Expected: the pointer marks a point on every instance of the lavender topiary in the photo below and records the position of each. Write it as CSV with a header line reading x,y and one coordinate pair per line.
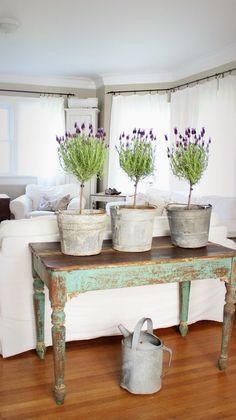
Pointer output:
x,y
189,156
82,155
137,156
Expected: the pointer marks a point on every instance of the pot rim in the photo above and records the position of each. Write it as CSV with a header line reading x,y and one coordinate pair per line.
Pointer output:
x,y
85,212
138,207
182,207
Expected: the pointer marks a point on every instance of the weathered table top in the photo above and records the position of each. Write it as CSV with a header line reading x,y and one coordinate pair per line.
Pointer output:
x,y
162,252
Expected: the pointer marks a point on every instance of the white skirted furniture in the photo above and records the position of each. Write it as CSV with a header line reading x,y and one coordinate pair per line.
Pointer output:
x,y
41,200
95,313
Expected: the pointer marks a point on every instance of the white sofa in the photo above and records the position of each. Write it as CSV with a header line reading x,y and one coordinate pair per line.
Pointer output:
x,y
41,200
91,314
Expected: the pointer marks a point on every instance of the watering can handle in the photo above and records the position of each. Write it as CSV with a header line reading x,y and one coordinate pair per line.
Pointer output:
x,y
170,359
137,330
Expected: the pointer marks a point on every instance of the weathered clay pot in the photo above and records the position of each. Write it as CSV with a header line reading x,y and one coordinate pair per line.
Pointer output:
x,y
81,234
132,228
189,228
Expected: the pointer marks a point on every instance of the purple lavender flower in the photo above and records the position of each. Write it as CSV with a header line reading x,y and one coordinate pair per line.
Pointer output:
x,y
175,131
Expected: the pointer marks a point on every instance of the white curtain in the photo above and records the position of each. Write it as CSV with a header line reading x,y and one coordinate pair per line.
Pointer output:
x,y
39,121
52,114
139,111
211,105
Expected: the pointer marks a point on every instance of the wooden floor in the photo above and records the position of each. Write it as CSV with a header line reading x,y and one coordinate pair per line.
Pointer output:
x,y
193,388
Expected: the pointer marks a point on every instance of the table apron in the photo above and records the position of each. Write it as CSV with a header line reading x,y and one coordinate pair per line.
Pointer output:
x,y
83,280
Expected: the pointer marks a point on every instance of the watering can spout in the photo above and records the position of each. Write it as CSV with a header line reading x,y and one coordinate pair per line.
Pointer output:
x,y
124,330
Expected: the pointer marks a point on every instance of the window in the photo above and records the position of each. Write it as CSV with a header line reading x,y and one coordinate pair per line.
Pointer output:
x,y
28,127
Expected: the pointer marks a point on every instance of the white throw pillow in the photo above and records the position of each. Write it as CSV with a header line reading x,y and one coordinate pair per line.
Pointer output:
x,y
74,204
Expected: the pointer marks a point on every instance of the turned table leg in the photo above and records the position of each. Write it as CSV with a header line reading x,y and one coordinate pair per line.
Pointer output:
x,y
58,299
184,302
58,339
229,311
39,307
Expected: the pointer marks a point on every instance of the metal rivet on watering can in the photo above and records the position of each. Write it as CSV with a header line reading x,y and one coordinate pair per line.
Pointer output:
x,y
142,359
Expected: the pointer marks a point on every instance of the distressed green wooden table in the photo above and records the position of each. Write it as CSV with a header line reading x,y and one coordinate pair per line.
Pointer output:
x,y
66,276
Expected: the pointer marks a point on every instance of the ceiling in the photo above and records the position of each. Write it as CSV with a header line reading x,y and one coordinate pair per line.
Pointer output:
x,y
115,41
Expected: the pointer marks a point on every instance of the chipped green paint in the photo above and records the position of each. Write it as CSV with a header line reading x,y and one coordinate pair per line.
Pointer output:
x,y
39,305
130,276
58,341
229,312
185,290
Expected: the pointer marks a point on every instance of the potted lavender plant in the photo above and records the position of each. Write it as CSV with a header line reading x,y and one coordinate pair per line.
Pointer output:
x,y
82,155
189,223
132,226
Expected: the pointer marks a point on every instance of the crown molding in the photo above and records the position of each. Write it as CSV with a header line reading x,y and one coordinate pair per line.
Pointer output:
x,y
219,58
132,79
203,64
57,81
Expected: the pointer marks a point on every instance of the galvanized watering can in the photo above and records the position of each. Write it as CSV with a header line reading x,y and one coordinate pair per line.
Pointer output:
x,y
142,359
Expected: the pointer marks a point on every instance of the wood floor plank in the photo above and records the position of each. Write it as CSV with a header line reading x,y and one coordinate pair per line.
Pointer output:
x,y
193,389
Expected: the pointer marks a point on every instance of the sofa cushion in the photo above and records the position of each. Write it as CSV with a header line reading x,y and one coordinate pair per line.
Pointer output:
x,y
23,227
39,213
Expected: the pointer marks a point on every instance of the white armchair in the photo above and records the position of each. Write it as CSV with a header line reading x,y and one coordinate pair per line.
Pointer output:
x,y
41,200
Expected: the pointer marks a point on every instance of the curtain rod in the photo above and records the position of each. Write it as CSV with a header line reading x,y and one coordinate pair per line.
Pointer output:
x,y
37,92
172,89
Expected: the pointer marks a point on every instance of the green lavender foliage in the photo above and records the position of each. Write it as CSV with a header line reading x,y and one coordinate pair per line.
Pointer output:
x,y
189,155
137,155
83,155
189,163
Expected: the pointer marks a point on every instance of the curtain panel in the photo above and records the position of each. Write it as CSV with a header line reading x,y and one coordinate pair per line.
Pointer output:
x,y
211,105
145,112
